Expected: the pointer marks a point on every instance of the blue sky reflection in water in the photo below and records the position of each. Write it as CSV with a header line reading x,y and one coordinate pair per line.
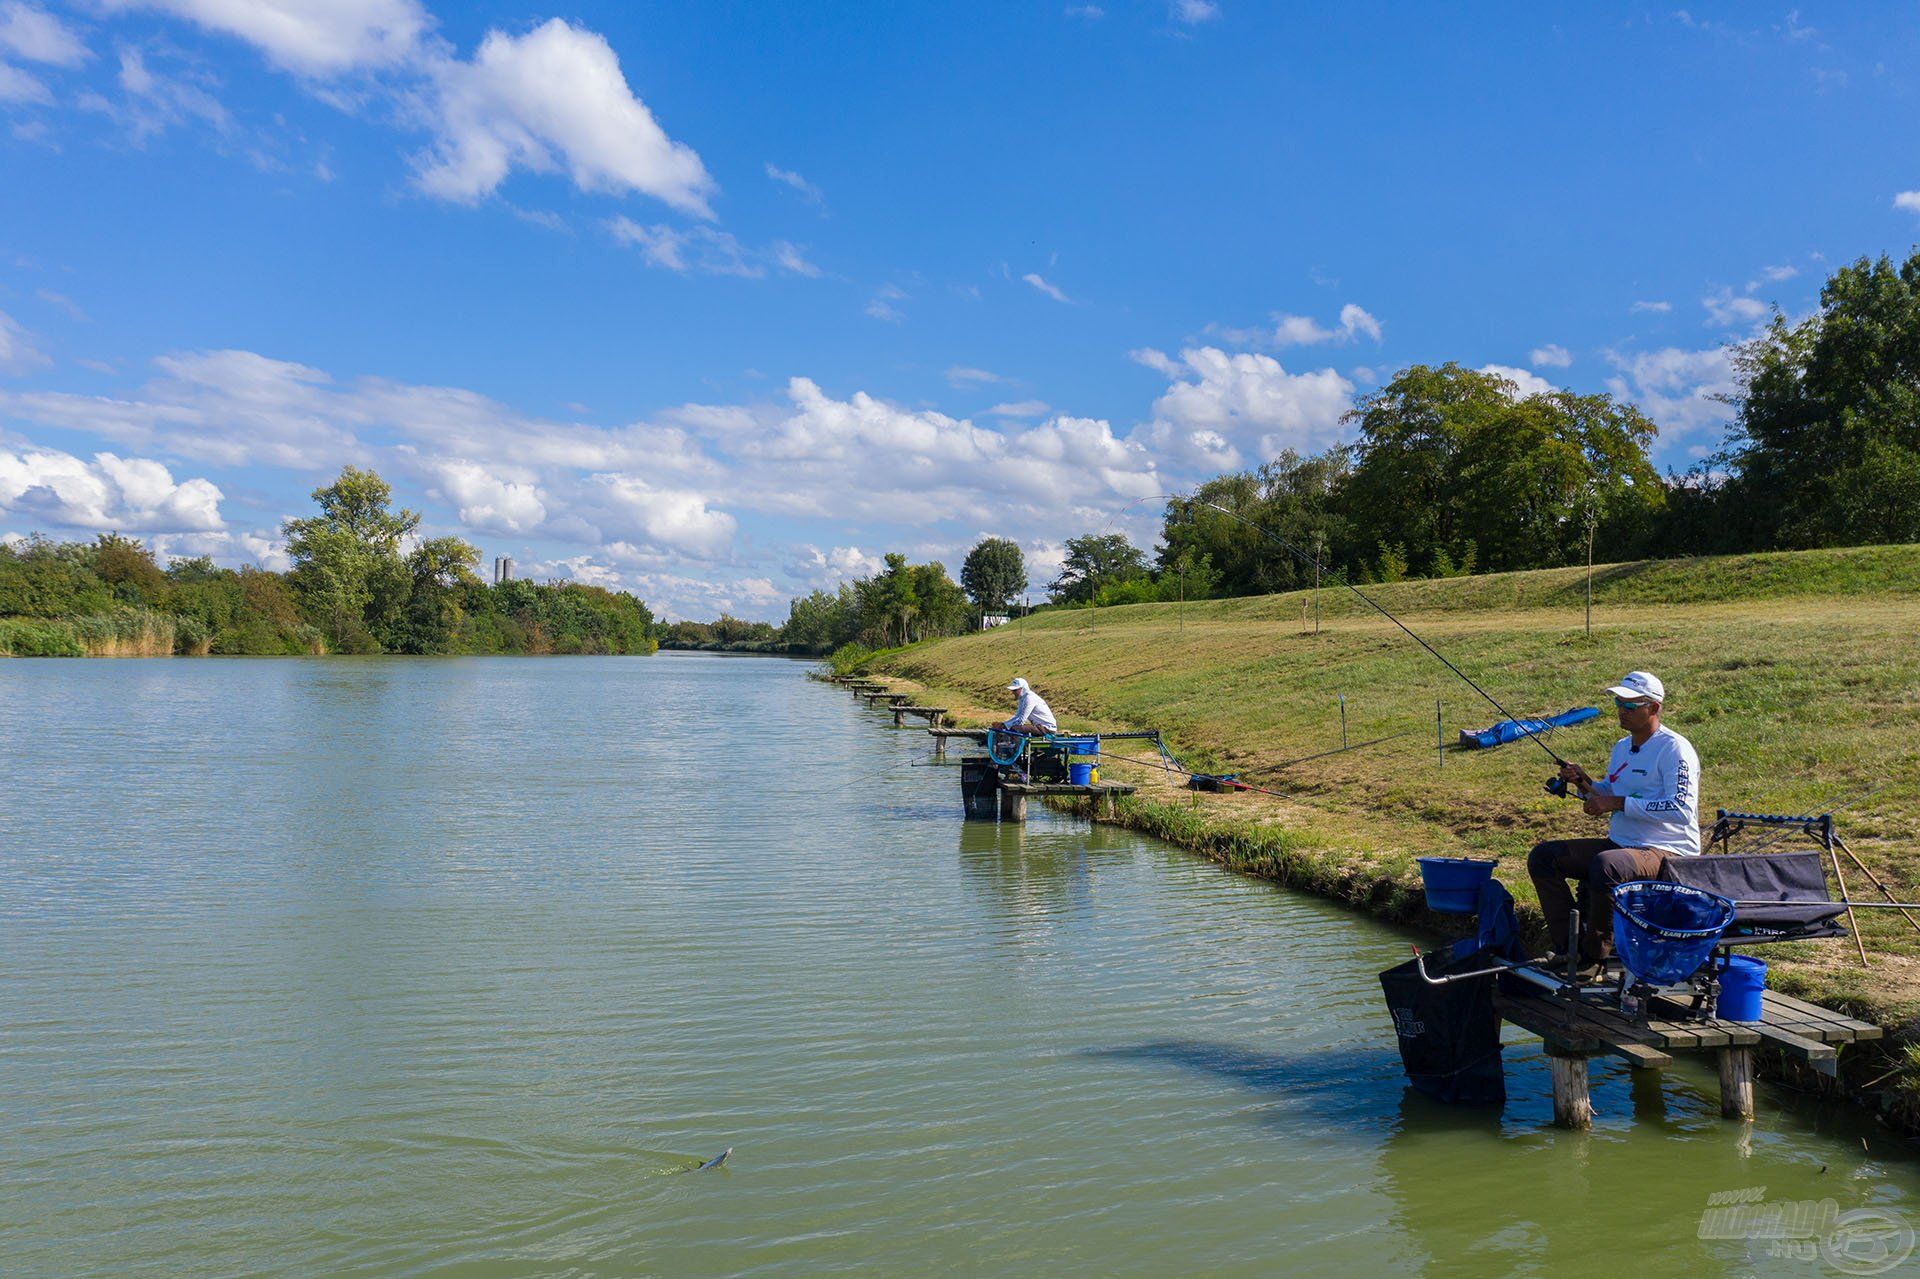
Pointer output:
x,y
406,967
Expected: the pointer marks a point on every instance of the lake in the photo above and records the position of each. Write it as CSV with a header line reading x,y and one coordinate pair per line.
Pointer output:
x,y
456,967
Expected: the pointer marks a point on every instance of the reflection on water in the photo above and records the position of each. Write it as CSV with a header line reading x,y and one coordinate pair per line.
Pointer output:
x,y
411,967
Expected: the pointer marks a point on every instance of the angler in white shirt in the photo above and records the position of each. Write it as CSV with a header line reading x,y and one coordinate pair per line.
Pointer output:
x,y
1031,715
1652,791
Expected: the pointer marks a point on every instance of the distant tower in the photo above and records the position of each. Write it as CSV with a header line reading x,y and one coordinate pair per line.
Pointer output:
x,y
502,569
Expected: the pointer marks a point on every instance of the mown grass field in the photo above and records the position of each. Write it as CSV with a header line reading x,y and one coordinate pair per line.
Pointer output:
x,y
1796,675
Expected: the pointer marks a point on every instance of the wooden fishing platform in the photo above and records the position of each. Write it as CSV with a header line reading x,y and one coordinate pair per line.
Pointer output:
x,y
1574,1031
882,695
940,736
933,714
1013,796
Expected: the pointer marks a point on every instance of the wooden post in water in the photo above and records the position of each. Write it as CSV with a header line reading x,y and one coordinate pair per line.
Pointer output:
x,y
1013,805
1736,1082
1572,1103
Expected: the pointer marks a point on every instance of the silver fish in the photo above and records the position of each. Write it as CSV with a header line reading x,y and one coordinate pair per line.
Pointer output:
x,y
716,1161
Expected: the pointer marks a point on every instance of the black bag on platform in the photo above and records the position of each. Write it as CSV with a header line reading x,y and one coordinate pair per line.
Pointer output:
x,y
1449,1035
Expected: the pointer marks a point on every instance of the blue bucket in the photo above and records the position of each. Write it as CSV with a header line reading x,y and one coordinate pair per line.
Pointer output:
x,y
1742,983
1080,774
1664,931
1453,883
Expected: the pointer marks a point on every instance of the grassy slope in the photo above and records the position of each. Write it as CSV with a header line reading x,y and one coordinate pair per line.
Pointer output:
x,y
1797,677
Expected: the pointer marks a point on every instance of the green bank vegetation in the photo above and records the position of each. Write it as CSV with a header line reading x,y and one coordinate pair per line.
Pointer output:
x,y
351,589
1795,674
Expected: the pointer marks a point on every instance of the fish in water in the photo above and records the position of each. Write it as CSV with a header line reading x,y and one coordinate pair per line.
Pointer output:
x,y
716,1161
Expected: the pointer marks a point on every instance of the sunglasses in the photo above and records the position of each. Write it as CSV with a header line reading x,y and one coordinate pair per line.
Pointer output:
x,y
1626,705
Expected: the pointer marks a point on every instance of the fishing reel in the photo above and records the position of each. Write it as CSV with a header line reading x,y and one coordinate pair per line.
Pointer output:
x,y
1558,787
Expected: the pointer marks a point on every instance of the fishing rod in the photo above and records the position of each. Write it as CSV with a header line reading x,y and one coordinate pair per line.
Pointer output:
x,y
1368,600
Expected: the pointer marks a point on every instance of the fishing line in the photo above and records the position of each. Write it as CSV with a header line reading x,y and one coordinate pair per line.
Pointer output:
x,y
1338,750
1158,763
1315,562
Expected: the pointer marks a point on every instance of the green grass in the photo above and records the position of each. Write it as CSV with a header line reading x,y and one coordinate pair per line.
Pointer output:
x,y
1796,675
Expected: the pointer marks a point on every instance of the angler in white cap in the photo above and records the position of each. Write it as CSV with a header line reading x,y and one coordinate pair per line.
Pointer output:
x,y
1031,715
1652,795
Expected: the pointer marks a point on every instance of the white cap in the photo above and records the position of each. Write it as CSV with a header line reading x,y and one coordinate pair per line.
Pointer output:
x,y
1018,686
1640,684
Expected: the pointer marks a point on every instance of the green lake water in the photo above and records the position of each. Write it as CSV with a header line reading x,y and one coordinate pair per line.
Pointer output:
x,y
422,967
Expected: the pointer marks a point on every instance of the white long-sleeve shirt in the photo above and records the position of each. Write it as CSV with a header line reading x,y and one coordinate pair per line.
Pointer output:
x,y
1033,709
1661,783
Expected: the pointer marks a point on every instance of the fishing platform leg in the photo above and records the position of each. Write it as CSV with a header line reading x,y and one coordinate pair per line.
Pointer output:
x,y
1736,1082
1013,805
1572,1102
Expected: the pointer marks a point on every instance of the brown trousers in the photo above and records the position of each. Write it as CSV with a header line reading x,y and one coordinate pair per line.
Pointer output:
x,y
1598,866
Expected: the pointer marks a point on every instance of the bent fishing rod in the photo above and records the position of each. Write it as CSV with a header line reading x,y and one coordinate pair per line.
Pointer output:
x,y
1312,560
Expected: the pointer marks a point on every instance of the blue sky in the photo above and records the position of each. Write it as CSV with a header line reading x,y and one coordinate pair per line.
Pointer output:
x,y
719,303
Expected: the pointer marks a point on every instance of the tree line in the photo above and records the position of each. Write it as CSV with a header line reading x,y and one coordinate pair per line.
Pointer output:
x,y
352,588
1453,471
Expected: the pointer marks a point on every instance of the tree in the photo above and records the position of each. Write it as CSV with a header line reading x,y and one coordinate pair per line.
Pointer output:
x,y
1293,497
438,568
1453,464
1094,561
994,572
1827,438
126,564
346,560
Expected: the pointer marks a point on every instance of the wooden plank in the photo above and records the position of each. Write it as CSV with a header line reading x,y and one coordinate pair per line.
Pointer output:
x,y
1808,1050
1067,788
1792,1006
1561,1022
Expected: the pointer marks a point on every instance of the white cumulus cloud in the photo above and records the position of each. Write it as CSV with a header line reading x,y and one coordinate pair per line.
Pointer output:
x,y
1727,309
550,99
48,488
310,37
1222,403
1525,383
1682,391
1908,200
1304,330
31,33
1550,356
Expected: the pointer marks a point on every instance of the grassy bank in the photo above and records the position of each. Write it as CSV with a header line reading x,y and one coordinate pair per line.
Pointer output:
x,y
1796,676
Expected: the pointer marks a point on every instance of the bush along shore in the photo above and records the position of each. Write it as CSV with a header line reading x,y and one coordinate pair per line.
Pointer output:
x,y
351,589
1794,675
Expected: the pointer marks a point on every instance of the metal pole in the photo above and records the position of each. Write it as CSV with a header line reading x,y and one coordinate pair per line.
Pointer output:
x,y
1439,735
1589,574
1888,892
1343,721
1826,838
1316,581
